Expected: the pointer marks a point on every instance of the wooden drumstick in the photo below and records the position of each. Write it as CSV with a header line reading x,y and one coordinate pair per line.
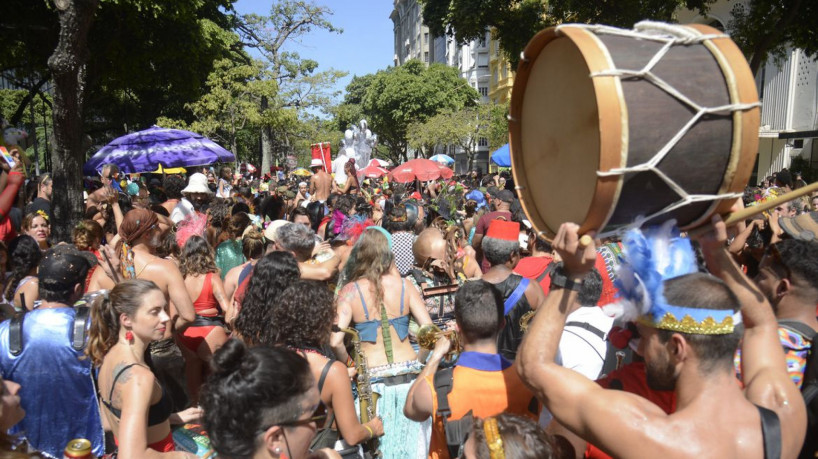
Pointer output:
x,y
747,212
585,241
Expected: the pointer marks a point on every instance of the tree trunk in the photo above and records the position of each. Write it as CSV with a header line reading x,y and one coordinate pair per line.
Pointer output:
x,y
266,141
67,65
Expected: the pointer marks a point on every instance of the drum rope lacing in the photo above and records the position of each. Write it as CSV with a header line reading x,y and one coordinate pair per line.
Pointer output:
x,y
670,35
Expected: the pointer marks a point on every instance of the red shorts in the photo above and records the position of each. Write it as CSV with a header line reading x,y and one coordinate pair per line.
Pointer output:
x,y
193,337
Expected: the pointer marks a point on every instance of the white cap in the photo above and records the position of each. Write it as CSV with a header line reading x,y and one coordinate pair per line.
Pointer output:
x,y
316,163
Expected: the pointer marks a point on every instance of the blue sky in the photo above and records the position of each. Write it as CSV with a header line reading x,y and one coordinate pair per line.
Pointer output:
x,y
366,45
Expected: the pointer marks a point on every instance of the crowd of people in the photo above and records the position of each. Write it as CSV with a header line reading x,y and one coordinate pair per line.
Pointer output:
x,y
298,318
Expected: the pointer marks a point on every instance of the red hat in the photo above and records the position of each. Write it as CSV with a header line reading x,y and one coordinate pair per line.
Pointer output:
x,y
501,229
416,195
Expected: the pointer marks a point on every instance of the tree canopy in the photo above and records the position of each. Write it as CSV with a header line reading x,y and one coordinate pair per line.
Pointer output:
x,y
759,26
463,129
399,96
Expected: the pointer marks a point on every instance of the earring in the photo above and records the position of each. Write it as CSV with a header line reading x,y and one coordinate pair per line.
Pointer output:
x,y
129,336
277,450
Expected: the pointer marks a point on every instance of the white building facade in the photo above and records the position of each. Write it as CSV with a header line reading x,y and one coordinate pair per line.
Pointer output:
x,y
788,91
412,41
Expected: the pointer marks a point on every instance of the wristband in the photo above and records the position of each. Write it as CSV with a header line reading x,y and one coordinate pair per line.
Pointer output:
x,y
371,433
560,279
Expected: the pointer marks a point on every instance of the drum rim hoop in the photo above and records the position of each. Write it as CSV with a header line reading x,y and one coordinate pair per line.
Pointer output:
x,y
742,89
613,142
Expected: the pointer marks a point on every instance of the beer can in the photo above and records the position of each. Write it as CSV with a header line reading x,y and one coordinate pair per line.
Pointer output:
x,y
78,448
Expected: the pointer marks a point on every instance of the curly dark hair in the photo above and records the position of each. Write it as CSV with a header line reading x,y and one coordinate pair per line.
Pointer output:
x,y
303,316
251,389
271,276
173,185
218,218
197,257
24,256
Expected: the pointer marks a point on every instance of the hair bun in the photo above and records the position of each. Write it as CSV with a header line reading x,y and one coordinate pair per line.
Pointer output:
x,y
229,358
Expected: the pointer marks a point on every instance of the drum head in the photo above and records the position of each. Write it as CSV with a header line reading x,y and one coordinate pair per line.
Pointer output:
x,y
557,145
560,138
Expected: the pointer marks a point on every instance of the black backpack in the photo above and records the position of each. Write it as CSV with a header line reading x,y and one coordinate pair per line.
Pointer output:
x,y
809,388
456,431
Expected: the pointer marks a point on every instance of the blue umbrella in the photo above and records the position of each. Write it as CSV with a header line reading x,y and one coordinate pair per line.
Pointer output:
x,y
440,158
502,156
145,151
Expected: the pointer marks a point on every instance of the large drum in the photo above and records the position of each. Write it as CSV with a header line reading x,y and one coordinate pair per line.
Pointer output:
x,y
610,127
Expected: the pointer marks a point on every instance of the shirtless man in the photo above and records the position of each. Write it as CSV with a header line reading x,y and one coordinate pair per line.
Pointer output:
x,y
714,416
140,230
320,183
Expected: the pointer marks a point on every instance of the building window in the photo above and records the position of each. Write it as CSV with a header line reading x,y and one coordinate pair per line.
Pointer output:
x,y
484,91
426,38
482,142
426,56
483,60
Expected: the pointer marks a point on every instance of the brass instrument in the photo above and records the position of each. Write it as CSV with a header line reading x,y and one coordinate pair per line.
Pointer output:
x,y
367,400
428,335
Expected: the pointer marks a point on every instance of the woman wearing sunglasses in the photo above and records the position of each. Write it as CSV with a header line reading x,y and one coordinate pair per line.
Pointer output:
x,y
260,402
302,320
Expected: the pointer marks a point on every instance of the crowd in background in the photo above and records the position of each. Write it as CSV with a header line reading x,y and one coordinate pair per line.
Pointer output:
x,y
268,308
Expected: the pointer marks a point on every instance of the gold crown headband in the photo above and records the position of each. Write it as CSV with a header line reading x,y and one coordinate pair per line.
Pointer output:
x,y
493,439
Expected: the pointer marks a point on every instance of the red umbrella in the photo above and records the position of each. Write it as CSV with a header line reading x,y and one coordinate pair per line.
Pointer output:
x,y
372,171
445,172
421,169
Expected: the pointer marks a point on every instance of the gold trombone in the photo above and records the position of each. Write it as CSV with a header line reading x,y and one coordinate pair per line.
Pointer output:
x,y
428,335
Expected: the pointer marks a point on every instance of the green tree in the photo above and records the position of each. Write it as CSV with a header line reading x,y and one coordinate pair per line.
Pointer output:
x,y
760,27
115,66
397,97
300,85
231,105
462,128
766,27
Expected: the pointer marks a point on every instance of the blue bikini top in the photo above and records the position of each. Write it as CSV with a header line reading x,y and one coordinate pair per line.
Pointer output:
x,y
369,329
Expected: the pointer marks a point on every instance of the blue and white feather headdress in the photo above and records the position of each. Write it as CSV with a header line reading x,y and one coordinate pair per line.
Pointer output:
x,y
651,256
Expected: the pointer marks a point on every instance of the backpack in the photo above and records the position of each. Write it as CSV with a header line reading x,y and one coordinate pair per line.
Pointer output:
x,y
457,431
79,331
809,387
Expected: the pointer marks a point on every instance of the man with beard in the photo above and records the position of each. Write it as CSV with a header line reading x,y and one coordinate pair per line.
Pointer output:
x,y
788,277
140,234
691,353
196,197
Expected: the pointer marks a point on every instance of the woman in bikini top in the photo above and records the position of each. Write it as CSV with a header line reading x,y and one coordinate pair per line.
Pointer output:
x,y
375,288
136,408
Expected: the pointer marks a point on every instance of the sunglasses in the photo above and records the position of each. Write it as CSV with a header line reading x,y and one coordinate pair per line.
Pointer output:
x,y
319,417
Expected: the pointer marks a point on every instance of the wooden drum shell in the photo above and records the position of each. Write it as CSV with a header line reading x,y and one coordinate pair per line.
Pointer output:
x,y
565,125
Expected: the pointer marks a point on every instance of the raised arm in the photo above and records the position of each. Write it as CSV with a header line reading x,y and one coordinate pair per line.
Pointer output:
x,y
603,417
763,366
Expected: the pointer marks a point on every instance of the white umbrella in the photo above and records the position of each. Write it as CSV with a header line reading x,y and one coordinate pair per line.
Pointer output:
x,y
440,158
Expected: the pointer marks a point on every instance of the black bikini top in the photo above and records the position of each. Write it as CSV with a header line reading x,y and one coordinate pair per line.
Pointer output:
x,y
158,412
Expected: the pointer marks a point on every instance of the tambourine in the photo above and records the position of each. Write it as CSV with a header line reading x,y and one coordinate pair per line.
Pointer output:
x,y
611,128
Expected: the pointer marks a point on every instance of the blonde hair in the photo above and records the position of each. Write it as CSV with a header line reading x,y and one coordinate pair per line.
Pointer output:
x,y
371,259
87,235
